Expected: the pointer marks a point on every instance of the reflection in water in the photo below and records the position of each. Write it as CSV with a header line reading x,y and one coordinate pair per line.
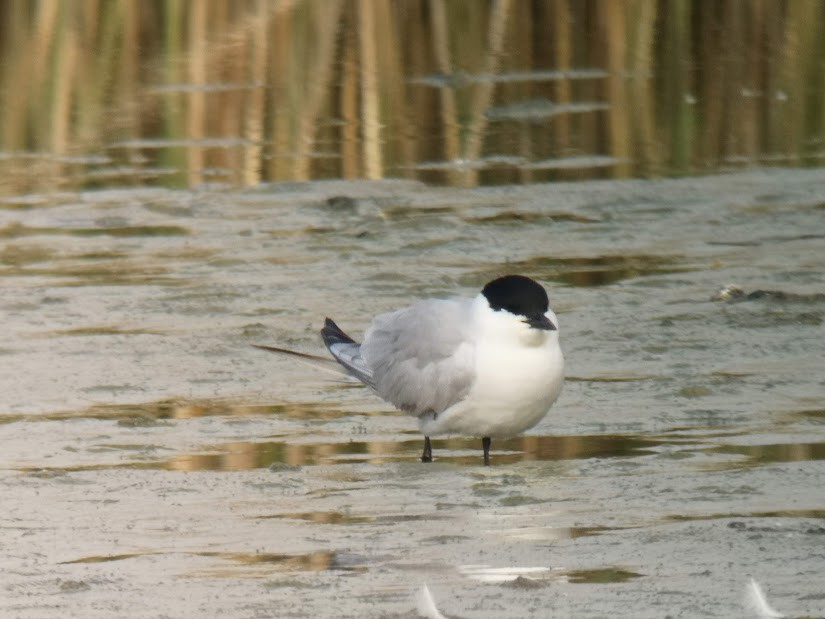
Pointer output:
x,y
313,562
538,110
601,270
486,573
601,575
551,534
308,449
150,412
525,575
323,517
783,513
183,93
816,416
517,218
16,230
106,558
765,454
249,455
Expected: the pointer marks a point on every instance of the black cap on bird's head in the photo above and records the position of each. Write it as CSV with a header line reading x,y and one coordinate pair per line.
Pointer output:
x,y
521,296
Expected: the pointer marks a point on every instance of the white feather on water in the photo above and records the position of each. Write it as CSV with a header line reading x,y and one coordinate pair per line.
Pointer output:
x,y
426,604
756,601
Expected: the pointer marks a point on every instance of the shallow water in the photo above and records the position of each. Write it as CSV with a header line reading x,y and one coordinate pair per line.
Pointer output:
x,y
155,464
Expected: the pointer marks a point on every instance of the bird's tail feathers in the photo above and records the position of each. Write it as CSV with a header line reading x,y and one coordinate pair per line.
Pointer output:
x,y
321,363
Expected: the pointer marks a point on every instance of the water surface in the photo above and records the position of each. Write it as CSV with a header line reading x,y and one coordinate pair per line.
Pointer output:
x,y
154,463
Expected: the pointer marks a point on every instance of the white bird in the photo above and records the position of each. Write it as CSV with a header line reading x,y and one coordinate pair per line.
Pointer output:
x,y
489,366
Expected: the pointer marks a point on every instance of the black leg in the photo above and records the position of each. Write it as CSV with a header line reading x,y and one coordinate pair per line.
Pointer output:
x,y
485,444
427,456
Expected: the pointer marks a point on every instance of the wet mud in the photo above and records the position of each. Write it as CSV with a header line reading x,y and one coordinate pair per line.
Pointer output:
x,y
155,464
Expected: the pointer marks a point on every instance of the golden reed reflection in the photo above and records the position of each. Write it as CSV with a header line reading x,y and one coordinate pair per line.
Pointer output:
x,y
148,412
315,561
101,92
251,455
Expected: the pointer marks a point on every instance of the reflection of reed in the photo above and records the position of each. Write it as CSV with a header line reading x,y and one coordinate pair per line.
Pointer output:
x,y
783,452
150,412
328,88
314,561
248,455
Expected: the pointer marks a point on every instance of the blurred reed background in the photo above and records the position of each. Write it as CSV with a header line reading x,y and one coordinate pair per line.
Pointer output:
x,y
118,92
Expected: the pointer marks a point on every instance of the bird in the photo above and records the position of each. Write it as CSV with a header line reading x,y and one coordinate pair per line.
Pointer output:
x,y
488,366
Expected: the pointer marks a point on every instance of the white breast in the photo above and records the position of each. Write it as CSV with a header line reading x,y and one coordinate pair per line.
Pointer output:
x,y
519,374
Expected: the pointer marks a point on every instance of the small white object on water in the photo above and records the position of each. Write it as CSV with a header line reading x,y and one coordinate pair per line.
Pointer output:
x,y
426,604
756,601
728,293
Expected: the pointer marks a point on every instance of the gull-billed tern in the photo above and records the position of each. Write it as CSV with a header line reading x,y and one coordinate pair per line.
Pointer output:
x,y
488,366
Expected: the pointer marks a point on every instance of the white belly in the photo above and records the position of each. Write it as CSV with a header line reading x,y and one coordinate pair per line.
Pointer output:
x,y
514,389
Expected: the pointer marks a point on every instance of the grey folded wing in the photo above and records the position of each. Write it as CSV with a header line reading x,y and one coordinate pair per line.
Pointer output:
x,y
421,358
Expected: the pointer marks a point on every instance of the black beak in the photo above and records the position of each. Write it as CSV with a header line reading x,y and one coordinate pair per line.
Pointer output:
x,y
540,322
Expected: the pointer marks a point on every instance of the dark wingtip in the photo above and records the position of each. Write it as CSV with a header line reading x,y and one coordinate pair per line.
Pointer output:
x,y
332,334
